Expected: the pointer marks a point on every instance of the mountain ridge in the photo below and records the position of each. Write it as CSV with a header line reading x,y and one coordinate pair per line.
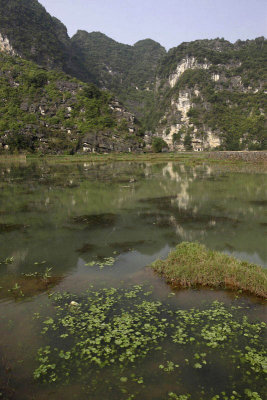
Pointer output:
x,y
199,95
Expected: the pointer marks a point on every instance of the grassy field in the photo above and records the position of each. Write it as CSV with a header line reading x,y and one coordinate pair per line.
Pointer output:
x,y
184,157
192,264
94,157
257,157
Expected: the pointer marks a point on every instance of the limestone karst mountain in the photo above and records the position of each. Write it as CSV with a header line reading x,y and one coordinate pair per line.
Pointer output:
x,y
200,95
212,93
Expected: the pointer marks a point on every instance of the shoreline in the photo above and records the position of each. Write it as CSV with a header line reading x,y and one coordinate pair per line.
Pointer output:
x,y
220,157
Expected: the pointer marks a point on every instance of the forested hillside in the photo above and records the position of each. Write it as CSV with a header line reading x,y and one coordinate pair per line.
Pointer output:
x,y
49,111
128,71
37,36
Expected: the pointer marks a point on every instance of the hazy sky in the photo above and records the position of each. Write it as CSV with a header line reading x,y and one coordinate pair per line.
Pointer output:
x,y
169,22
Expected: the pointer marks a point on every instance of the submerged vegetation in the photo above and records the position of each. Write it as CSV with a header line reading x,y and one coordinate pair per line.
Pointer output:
x,y
10,227
97,220
124,341
192,264
27,284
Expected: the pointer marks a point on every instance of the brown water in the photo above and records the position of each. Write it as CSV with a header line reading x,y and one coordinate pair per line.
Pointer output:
x,y
125,214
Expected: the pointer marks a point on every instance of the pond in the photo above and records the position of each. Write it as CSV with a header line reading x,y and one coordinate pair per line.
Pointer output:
x,y
88,231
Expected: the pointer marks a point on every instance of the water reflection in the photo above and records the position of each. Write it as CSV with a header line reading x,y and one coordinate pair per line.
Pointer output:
x,y
153,207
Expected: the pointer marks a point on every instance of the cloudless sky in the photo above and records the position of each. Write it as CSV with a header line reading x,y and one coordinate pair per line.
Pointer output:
x,y
169,22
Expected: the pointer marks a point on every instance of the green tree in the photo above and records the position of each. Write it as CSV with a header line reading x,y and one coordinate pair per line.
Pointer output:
x,y
37,79
158,144
188,142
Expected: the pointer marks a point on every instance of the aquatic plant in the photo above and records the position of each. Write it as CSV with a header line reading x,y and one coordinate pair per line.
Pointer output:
x,y
105,262
16,291
47,274
114,333
192,264
124,247
8,260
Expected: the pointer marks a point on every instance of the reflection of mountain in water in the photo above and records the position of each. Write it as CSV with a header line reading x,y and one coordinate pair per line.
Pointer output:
x,y
153,205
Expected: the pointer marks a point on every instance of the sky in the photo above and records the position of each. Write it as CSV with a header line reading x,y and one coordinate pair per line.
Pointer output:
x,y
169,22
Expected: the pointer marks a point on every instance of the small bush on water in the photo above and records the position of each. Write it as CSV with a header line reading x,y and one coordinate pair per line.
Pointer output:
x,y
192,264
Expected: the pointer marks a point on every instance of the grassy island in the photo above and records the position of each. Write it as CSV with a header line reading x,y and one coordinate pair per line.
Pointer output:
x,y
192,264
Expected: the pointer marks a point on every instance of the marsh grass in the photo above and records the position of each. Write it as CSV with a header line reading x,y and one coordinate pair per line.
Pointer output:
x,y
192,264
187,158
184,157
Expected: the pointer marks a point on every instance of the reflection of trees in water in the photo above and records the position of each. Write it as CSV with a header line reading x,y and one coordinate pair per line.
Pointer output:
x,y
220,219
204,203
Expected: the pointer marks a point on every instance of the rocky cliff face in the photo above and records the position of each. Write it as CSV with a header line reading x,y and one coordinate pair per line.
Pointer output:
x,y
5,46
184,65
213,96
176,120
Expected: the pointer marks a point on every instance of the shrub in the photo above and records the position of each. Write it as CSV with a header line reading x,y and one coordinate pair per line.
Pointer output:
x,y
158,144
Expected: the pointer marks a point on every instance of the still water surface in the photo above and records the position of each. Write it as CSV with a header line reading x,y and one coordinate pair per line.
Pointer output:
x,y
126,214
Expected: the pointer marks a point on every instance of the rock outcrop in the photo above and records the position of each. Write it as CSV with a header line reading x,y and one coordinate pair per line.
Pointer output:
x,y
5,46
184,65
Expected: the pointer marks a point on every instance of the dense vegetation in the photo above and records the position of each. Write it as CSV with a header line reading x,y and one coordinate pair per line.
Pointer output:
x,y
242,126
39,37
50,106
247,57
33,32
